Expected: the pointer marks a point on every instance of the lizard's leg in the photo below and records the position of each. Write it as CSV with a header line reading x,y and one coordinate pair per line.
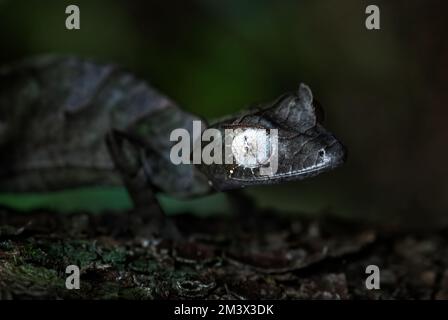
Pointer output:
x,y
147,217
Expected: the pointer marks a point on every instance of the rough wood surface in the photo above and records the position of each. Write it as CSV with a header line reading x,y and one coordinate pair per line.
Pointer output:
x,y
265,256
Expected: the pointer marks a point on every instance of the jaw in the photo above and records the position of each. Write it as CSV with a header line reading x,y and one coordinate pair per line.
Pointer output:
x,y
294,171
300,156
284,176
279,177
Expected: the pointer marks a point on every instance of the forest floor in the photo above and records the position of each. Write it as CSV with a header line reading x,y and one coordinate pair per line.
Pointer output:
x,y
266,256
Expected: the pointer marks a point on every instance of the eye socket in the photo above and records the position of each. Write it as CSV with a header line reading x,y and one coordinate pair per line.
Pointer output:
x,y
251,147
321,153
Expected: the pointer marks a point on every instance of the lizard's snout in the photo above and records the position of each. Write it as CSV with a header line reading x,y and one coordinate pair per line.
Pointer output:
x,y
337,153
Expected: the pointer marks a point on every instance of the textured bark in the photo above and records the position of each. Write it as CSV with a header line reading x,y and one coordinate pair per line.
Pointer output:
x,y
266,256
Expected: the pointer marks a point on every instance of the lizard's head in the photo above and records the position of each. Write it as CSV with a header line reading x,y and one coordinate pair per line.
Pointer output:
x,y
303,147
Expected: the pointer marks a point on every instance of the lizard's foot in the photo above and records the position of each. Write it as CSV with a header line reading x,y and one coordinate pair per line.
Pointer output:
x,y
147,220
161,227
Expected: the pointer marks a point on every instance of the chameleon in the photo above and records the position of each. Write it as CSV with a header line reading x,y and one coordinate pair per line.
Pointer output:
x,y
67,122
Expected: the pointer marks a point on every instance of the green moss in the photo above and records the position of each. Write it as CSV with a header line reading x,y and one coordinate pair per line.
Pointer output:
x,y
32,254
115,257
144,265
27,280
79,252
36,275
112,290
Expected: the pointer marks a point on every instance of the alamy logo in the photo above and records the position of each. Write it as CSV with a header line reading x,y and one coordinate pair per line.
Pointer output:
x,y
72,281
373,18
373,280
245,146
72,22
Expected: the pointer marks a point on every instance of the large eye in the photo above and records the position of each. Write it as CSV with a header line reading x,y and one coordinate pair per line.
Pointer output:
x,y
251,147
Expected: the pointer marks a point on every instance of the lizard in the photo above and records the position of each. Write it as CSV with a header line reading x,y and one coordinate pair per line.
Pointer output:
x,y
67,122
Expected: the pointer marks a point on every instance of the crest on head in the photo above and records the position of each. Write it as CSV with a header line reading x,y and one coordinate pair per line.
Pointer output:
x,y
296,110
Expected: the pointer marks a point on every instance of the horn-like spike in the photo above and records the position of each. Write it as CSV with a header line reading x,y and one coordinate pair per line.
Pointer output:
x,y
305,93
296,110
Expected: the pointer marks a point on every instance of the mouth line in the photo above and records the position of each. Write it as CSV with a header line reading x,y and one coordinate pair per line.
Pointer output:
x,y
313,169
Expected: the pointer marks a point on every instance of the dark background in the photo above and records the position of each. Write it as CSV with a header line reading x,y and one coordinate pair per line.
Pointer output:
x,y
384,91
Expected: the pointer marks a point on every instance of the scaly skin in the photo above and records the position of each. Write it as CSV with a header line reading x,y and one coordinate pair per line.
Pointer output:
x,y
55,113
305,147
67,122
